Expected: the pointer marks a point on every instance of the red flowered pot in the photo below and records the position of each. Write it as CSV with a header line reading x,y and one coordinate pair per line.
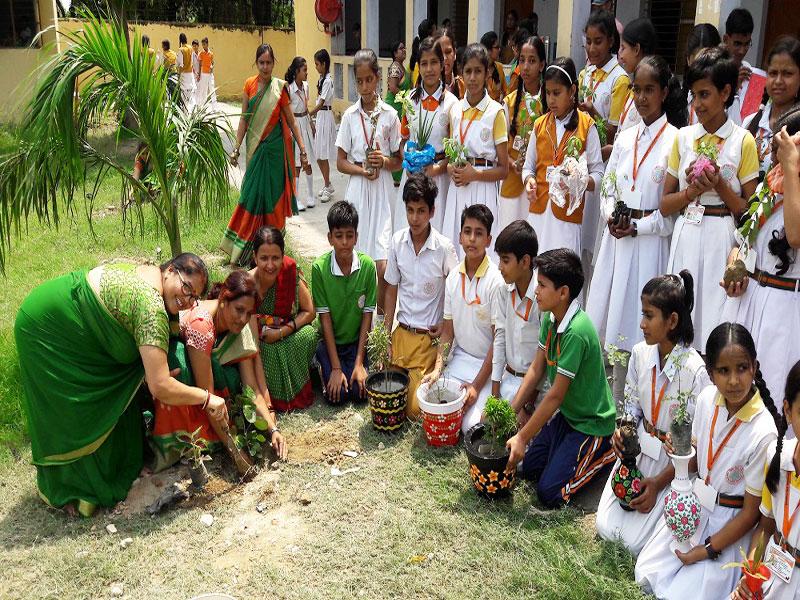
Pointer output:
x,y
442,421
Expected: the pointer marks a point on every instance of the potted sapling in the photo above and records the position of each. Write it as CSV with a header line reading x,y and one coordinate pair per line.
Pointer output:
x,y
527,116
485,444
194,451
755,571
442,405
568,181
418,153
387,388
373,120
455,151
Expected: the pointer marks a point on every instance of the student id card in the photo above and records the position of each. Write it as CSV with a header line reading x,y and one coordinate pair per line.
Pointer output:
x,y
517,143
779,561
694,214
706,494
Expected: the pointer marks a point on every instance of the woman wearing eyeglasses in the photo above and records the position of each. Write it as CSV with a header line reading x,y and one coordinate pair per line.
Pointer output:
x,y
86,341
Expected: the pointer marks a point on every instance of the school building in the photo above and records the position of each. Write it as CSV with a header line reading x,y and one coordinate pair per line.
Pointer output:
x,y
378,24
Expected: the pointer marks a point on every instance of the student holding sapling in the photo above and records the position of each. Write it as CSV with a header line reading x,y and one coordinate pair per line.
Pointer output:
x,y
369,145
478,150
781,497
733,428
663,371
763,295
571,429
712,168
635,241
470,295
555,156
425,124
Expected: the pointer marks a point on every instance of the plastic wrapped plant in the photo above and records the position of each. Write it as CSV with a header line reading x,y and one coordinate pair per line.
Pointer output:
x,y
455,151
754,570
418,153
707,154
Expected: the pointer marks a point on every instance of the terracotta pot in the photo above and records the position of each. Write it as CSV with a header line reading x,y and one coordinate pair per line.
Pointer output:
x,y
487,472
441,421
387,392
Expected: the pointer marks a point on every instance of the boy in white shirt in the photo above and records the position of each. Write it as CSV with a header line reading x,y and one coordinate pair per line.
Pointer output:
x,y
420,259
469,298
516,318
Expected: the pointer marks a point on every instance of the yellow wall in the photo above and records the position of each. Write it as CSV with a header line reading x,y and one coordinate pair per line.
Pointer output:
x,y
16,86
310,39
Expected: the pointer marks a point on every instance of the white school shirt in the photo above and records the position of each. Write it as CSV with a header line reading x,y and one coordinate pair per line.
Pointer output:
x,y
195,63
630,115
594,158
419,278
299,97
355,131
472,311
650,175
772,504
440,126
684,371
763,136
515,339
735,110
604,91
479,136
739,466
325,96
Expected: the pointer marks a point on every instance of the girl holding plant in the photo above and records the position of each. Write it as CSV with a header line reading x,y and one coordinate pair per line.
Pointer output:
x,y
778,524
522,106
637,41
712,168
766,299
562,132
478,153
664,372
369,150
734,427
635,244
424,126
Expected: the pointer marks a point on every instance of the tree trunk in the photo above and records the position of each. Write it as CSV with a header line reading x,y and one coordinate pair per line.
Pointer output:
x,y
174,229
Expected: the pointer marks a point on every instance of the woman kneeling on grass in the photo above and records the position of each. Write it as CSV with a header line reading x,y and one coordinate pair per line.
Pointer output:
x,y
216,349
85,341
287,339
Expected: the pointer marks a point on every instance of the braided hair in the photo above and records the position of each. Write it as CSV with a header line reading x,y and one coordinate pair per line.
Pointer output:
x,y
538,45
322,57
791,395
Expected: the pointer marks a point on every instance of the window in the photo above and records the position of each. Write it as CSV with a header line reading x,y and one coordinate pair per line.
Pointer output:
x,y
18,23
392,27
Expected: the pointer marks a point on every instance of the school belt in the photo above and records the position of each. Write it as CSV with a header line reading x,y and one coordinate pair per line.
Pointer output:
x,y
324,108
765,279
718,210
413,329
790,549
515,373
302,114
730,501
648,427
637,213
480,162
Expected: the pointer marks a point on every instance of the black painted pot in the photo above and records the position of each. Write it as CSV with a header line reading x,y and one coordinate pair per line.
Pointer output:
x,y
387,392
487,471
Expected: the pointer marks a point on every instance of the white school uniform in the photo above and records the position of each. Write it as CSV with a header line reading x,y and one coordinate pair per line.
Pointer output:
x,y
772,316
763,136
603,96
773,506
187,82
420,277
735,110
684,371
738,469
478,137
624,266
630,116
325,138
440,129
552,232
299,97
516,336
372,199
469,304
703,249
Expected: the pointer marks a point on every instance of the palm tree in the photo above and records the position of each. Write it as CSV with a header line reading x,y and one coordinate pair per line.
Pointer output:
x,y
53,153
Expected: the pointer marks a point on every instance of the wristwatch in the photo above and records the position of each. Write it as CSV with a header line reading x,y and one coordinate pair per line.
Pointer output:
x,y
712,554
271,431
635,231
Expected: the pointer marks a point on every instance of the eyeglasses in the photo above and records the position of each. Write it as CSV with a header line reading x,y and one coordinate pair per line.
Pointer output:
x,y
187,288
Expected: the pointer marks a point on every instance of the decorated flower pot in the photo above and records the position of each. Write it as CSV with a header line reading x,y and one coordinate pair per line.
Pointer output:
x,y
626,483
753,583
681,506
387,392
442,406
681,433
487,465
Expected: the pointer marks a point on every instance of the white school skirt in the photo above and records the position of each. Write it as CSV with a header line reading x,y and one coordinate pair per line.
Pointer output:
x,y
399,220
372,201
703,250
510,210
325,139
304,125
458,198
552,232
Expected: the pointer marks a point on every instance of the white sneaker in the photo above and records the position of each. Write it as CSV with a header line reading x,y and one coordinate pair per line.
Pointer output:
x,y
310,203
327,194
300,206
321,193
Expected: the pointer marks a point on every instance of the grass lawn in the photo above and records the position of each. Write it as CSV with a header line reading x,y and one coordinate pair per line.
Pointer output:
x,y
406,523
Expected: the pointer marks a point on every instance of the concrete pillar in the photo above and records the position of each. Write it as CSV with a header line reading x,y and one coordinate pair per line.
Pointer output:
x,y
571,19
481,18
48,17
370,23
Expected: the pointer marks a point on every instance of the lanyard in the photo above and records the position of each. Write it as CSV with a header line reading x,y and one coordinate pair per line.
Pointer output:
x,y
787,520
712,456
558,152
597,81
655,407
528,306
477,299
364,129
638,165
463,131
628,104
552,363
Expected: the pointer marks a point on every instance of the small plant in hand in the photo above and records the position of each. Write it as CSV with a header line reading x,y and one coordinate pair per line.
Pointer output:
x,y
707,154
602,129
418,154
754,570
455,151
249,434
527,116
500,422
373,121
194,452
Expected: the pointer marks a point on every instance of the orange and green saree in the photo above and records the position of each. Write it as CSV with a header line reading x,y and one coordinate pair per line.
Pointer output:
x,y
267,196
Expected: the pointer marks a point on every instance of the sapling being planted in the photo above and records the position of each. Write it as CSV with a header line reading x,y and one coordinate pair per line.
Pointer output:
x,y
500,422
